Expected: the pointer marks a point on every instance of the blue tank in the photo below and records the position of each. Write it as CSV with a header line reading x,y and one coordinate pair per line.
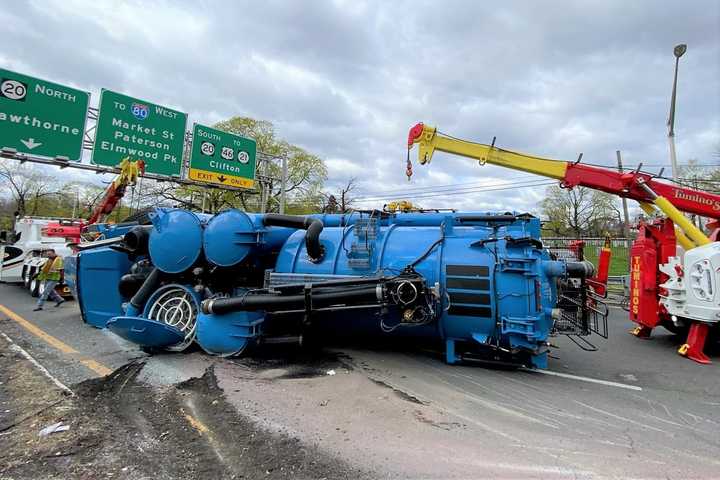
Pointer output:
x,y
480,282
495,283
176,238
179,238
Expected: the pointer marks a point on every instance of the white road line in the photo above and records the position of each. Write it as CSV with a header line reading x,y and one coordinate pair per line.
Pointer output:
x,y
17,348
622,419
584,379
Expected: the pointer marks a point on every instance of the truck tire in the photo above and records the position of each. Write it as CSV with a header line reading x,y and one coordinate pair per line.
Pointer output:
x,y
26,276
35,286
32,272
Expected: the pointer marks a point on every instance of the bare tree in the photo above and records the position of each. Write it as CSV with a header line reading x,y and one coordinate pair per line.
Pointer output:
x,y
27,185
341,201
579,211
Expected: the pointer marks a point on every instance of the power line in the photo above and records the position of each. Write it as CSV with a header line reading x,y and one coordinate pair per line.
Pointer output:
x,y
453,189
478,183
490,188
405,192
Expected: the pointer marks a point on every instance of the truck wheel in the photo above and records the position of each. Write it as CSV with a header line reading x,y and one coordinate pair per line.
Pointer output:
x,y
35,286
26,276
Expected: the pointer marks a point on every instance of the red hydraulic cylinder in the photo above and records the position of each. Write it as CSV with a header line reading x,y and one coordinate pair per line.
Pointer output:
x,y
693,349
600,280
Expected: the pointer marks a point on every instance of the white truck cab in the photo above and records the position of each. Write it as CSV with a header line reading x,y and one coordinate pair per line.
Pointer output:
x,y
22,253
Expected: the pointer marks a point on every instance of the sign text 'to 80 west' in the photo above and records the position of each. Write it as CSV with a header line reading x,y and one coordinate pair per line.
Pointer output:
x,y
128,127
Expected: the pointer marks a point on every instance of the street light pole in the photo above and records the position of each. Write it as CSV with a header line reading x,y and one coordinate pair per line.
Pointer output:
x,y
679,51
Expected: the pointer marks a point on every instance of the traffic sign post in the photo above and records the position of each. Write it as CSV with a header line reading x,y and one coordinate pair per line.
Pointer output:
x,y
42,118
128,127
221,157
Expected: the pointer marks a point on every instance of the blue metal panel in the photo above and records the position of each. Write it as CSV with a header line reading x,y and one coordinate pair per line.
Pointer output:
x,y
70,275
147,333
97,276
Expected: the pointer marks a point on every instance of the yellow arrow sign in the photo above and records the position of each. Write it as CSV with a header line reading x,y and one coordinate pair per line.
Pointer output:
x,y
220,178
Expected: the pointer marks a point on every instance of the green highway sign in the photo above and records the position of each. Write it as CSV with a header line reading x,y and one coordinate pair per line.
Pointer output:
x,y
42,118
222,158
128,127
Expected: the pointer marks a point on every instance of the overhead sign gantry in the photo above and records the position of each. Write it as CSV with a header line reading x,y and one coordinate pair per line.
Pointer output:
x,y
45,122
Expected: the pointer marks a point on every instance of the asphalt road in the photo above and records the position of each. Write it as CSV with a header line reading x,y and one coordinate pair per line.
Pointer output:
x,y
633,409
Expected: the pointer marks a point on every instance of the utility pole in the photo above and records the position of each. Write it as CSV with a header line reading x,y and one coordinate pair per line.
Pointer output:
x,y
283,183
678,52
76,204
626,216
266,187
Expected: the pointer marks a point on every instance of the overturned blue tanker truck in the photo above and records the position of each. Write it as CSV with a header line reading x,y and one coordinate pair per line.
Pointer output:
x,y
480,284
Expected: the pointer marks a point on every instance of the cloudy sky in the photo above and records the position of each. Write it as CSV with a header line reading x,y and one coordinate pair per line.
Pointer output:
x,y
346,79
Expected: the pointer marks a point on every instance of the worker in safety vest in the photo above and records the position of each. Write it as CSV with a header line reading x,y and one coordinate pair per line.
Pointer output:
x,y
50,273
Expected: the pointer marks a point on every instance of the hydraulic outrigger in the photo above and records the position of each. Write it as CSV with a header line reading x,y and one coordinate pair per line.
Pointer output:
x,y
650,302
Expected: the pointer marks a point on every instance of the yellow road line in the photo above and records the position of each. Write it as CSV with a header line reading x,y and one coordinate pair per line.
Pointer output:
x,y
96,367
46,337
93,365
195,423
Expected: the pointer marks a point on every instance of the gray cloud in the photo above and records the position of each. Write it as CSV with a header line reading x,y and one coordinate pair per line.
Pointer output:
x,y
347,79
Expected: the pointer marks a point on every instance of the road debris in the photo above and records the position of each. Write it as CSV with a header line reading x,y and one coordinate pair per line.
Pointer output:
x,y
54,428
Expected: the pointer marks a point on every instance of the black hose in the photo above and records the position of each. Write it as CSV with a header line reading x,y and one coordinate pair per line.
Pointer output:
x,y
136,240
275,303
487,218
130,283
582,269
350,282
151,283
512,241
312,226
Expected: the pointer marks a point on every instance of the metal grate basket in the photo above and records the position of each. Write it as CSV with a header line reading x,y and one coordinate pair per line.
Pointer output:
x,y
582,311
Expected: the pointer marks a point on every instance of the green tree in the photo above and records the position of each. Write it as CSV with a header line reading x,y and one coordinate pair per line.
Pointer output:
x,y
306,176
579,212
306,172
